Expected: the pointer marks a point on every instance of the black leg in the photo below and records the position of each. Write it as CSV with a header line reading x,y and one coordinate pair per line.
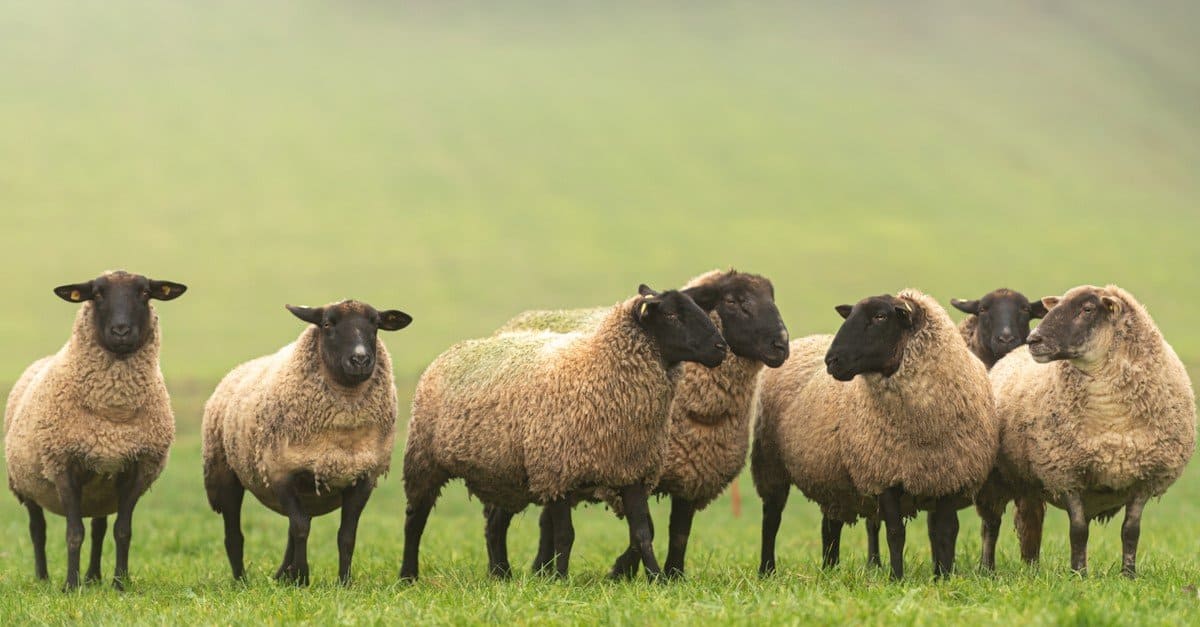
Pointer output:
x,y
641,529
70,492
1131,530
564,535
496,534
682,513
415,517
354,500
99,528
873,542
889,508
627,564
231,512
545,553
37,532
989,532
130,486
1079,533
771,517
1030,517
299,524
944,536
831,541
286,570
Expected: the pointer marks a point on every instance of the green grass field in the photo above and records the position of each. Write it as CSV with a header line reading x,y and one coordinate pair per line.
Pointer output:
x,y
464,162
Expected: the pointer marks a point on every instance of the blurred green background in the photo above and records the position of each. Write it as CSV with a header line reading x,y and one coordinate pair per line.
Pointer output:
x,y
464,161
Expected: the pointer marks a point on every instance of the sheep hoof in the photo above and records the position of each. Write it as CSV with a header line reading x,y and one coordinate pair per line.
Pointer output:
x,y
92,577
118,584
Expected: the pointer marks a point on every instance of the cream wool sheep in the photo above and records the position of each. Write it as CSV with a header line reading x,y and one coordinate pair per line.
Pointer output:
x,y
88,429
1098,414
307,430
537,417
909,423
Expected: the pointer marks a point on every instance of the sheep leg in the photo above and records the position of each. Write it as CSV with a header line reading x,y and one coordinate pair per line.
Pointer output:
x,y
889,507
130,485
1079,532
99,528
989,532
286,572
831,541
545,554
1131,530
641,530
772,508
564,535
37,532
680,530
943,535
354,500
230,503
70,493
1030,517
415,517
496,534
628,563
873,542
299,524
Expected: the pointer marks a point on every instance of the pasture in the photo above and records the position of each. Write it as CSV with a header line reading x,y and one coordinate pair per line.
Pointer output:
x,y
464,163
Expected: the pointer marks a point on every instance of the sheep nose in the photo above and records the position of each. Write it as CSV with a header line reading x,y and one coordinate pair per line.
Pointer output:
x,y
359,360
722,345
120,330
1007,338
831,360
779,344
1033,338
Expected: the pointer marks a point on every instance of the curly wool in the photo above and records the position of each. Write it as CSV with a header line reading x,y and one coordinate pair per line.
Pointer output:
x,y
533,416
1127,427
930,427
283,414
85,406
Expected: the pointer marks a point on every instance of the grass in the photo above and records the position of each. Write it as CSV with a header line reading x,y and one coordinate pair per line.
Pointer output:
x,y
464,163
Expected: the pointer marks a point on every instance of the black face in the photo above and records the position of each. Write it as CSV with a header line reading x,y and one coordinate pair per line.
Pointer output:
x,y
121,307
1004,317
680,327
1074,327
750,321
348,331
873,337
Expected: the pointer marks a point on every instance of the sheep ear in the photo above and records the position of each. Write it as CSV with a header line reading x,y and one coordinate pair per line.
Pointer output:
x,y
645,290
76,293
965,306
706,296
844,310
394,320
166,290
1113,304
1049,302
311,315
1037,309
646,308
905,313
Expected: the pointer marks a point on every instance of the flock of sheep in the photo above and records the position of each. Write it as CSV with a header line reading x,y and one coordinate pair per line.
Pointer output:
x,y
662,394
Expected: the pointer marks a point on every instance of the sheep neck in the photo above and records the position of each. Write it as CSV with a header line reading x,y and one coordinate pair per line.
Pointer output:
x,y
112,387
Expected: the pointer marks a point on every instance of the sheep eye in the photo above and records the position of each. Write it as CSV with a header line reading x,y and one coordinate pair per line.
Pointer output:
x,y
983,310
327,325
881,317
1089,308
145,293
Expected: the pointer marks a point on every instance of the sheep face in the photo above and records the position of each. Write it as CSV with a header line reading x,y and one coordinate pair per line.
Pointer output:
x,y
679,327
121,307
872,338
1078,327
1004,317
750,321
348,336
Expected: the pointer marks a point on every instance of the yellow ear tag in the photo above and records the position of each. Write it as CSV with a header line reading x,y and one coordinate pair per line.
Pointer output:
x,y
642,311
74,294
166,290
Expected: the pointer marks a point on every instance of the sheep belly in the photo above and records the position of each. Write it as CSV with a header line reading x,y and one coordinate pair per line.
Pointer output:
x,y
325,465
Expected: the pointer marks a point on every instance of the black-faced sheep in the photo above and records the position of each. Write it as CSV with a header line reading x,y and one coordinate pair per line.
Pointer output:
x,y
711,414
540,417
1097,415
905,422
307,430
87,430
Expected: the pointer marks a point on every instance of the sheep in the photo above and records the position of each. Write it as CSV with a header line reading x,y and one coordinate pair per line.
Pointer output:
x,y
538,417
1097,413
307,430
88,429
710,416
916,430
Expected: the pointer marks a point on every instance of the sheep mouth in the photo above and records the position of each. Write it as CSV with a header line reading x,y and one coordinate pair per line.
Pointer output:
x,y
841,374
1043,353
